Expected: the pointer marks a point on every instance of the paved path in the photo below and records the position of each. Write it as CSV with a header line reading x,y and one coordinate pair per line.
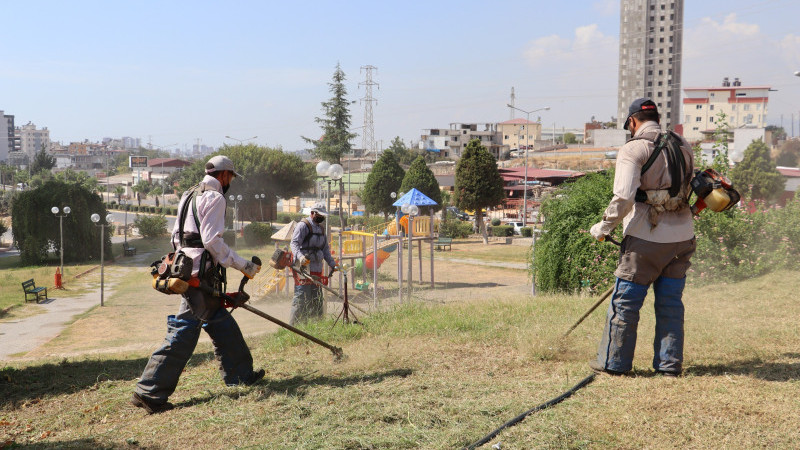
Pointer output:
x,y
24,335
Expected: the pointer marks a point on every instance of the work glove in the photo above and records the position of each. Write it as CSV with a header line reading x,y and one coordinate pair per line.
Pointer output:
x,y
303,261
597,232
251,269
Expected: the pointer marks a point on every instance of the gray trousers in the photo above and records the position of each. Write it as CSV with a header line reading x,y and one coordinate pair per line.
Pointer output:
x,y
306,304
160,376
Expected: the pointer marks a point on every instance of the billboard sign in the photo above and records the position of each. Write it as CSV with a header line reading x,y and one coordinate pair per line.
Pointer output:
x,y
135,162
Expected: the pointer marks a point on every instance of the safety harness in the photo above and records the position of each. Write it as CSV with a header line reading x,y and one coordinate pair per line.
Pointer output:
x,y
677,196
302,281
217,276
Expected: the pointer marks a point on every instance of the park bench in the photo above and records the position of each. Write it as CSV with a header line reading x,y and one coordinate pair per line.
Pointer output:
x,y
31,290
128,249
443,242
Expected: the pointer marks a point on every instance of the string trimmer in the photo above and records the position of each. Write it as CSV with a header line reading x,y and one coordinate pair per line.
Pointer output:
x,y
230,301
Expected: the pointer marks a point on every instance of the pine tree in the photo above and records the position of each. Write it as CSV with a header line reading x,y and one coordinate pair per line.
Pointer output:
x,y
478,182
756,176
386,177
419,176
335,140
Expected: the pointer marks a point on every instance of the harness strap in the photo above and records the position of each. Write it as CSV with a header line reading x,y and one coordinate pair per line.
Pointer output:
x,y
676,163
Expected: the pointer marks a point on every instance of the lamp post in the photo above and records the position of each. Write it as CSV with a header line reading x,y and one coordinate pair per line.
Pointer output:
x,y
96,219
336,172
411,210
124,204
66,210
527,145
235,199
164,180
260,207
322,171
240,141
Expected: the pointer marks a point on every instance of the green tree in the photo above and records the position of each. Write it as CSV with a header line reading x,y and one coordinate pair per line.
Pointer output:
x,y
570,138
264,170
385,177
566,256
478,183
70,176
42,161
118,191
722,135
756,176
151,226
335,140
419,176
36,230
789,154
404,155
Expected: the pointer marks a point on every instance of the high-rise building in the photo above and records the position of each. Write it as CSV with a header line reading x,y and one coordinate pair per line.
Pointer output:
x,y
32,141
7,140
650,51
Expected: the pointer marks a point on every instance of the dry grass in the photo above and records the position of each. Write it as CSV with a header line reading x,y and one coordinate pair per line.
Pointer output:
x,y
443,376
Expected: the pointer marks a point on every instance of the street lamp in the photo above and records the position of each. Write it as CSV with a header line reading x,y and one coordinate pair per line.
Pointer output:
x,y
527,145
124,204
797,74
336,172
66,211
235,200
260,208
96,219
240,141
411,210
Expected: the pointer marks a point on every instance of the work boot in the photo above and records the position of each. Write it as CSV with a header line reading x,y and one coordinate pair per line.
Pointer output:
x,y
597,368
150,406
255,377
668,374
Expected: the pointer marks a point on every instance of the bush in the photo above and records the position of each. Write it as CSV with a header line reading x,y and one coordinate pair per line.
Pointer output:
x,y
526,231
495,222
455,228
566,254
502,230
288,217
151,226
257,234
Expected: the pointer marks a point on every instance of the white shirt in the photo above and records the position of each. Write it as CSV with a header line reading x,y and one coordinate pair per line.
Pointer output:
x,y
211,215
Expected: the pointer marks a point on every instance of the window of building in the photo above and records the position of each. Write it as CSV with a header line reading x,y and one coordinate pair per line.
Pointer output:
x,y
695,128
733,107
661,50
669,104
711,119
659,93
699,107
660,72
698,119
649,83
711,107
711,94
660,83
661,40
651,40
667,114
747,107
506,137
758,106
661,18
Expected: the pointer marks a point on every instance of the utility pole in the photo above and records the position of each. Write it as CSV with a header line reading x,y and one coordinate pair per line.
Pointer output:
x,y
511,104
368,142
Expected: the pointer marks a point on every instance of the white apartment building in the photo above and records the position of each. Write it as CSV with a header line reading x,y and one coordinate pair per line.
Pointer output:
x,y
32,140
451,142
744,106
6,135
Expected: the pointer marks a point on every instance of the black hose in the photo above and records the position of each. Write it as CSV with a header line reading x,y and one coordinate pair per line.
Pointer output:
x,y
522,416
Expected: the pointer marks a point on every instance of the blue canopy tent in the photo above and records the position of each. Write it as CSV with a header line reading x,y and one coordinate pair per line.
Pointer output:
x,y
414,197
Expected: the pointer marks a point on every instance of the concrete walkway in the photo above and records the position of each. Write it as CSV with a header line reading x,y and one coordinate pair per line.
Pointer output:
x,y
23,335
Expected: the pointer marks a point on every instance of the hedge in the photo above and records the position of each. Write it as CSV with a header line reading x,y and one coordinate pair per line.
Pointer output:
x,y
503,230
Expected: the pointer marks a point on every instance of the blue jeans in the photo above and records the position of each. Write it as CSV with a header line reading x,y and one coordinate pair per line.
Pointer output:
x,y
306,304
618,343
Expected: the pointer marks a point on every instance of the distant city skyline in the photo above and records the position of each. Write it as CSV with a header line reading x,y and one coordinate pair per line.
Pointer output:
x,y
181,71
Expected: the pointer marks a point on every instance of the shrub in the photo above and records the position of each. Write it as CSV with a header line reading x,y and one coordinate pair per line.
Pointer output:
x,y
495,222
502,230
257,234
455,228
151,226
526,231
566,254
288,217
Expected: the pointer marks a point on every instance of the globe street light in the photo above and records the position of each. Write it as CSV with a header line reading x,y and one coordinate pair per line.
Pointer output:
x,y
235,199
66,211
336,172
260,207
96,219
527,145
411,210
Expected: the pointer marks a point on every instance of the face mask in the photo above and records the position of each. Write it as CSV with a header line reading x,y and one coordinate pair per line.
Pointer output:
x,y
319,219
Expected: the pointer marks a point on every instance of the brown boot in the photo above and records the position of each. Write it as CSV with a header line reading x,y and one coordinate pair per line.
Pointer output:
x,y
150,406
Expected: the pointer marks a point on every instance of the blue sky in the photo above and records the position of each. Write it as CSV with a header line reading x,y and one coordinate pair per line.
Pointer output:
x,y
175,71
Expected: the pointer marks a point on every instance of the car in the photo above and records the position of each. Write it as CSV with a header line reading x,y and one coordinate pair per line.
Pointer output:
x,y
517,227
460,215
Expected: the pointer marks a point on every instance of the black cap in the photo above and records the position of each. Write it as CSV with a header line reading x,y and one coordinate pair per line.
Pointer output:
x,y
640,104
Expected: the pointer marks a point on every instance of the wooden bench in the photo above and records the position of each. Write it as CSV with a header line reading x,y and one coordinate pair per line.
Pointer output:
x,y
443,242
31,290
128,249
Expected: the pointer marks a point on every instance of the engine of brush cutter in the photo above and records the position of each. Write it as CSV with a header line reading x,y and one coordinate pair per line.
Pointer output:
x,y
714,191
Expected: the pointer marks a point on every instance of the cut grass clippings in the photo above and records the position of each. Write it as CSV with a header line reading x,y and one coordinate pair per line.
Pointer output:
x,y
422,376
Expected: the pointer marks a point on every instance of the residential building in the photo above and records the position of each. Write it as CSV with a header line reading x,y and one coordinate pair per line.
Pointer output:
x,y
744,106
32,141
519,134
6,135
650,52
451,142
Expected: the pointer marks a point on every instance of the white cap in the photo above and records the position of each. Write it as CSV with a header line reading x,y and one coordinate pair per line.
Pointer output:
x,y
319,208
219,163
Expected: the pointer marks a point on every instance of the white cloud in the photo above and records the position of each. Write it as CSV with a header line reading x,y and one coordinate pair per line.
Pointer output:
x,y
588,43
606,7
790,50
730,25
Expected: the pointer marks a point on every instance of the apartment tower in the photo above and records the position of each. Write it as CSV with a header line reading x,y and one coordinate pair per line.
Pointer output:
x,y
650,51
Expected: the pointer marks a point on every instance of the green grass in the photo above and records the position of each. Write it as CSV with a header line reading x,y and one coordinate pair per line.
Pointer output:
x,y
422,376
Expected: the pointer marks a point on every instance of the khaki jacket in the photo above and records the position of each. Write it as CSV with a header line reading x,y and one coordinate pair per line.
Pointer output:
x,y
673,226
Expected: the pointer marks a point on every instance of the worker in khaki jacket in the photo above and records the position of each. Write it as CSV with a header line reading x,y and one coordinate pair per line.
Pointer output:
x,y
657,246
